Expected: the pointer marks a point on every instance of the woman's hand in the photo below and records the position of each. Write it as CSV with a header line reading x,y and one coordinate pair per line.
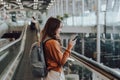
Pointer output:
x,y
71,42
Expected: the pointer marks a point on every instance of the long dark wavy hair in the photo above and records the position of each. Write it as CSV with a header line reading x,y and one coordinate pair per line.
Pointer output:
x,y
50,28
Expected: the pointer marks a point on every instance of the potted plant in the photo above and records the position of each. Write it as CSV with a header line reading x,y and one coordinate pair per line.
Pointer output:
x,y
66,15
59,17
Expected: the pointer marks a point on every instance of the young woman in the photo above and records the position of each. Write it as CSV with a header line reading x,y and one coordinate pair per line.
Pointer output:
x,y
55,58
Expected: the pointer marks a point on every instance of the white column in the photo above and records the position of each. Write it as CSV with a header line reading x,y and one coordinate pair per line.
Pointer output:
x,y
52,7
58,3
82,20
83,44
73,11
61,7
55,5
66,6
98,31
67,9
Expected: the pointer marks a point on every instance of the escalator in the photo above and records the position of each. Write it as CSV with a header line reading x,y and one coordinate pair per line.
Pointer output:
x,y
23,71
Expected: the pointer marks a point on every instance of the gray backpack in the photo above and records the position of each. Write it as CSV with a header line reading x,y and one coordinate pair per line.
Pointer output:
x,y
37,60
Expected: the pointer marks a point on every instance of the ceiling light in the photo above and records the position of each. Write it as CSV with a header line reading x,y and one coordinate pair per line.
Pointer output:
x,y
18,0
35,7
3,2
52,1
35,0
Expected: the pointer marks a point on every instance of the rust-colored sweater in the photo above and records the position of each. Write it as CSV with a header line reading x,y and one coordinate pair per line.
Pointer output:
x,y
55,58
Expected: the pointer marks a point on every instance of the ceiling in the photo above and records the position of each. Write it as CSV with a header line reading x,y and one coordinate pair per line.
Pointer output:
x,y
40,5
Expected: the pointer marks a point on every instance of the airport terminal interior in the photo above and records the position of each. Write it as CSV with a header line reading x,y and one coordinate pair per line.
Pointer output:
x,y
96,54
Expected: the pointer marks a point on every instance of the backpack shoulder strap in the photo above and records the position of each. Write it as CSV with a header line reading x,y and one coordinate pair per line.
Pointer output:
x,y
47,40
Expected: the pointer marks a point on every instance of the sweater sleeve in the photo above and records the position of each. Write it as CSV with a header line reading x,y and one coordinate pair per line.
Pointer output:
x,y
54,49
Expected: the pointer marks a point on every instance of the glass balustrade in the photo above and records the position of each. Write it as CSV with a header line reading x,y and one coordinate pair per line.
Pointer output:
x,y
8,55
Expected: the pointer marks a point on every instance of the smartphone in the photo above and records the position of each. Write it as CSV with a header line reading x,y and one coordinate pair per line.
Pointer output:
x,y
75,37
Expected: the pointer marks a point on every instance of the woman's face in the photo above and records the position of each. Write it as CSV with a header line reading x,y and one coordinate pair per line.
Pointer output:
x,y
59,29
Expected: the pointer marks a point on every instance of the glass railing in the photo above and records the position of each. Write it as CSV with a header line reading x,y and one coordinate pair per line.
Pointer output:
x,y
10,56
79,67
